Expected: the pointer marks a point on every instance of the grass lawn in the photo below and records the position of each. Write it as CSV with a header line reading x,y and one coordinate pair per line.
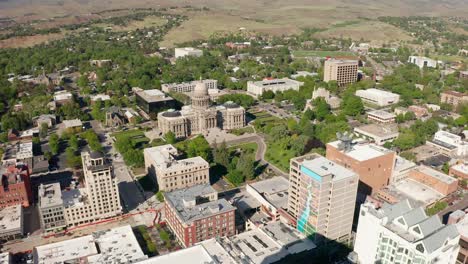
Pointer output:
x,y
137,136
242,131
247,147
320,53
278,156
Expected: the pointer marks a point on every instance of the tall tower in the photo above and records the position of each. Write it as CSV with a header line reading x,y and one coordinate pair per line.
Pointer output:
x,y
322,197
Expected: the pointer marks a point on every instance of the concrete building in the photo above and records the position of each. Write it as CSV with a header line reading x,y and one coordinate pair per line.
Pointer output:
x,y
449,144
463,74
341,71
400,233
378,97
172,173
275,85
422,62
99,198
100,63
372,163
419,111
21,153
15,186
99,97
459,170
401,169
459,218
188,87
378,133
63,97
272,194
6,258
322,196
153,101
187,51
50,120
11,223
199,117
195,214
381,116
51,209
117,245
332,100
264,245
453,98
304,74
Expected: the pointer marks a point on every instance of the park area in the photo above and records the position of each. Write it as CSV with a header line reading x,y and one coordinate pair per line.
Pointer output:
x,y
130,144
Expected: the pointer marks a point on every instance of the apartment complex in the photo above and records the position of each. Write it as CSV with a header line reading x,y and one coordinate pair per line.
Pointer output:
x,y
401,234
171,173
378,133
51,209
15,186
378,97
275,85
153,101
99,198
187,51
372,163
188,87
322,196
381,116
200,116
341,71
195,214
453,98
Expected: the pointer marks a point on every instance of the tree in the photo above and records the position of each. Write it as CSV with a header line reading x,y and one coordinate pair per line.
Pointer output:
x,y
73,160
44,129
74,142
446,168
352,105
236,177
268,95
221,155
54,144
199,147
278,132
246,166
93,140
321,108
83,81
299,144
170,137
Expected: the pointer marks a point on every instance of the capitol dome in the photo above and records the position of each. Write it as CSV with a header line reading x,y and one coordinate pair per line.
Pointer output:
x,y
200,89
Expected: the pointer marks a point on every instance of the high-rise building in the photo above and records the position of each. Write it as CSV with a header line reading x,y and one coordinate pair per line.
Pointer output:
x,y
341,71
172,173
99,198
322,197
372,163
51,210
401,234
195,214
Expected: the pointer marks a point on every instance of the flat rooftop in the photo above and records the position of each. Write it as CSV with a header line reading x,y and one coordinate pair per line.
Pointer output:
x,y
462,225
5,258
50,195
72,198
185,203
381,114
418,193
277,82
362,152
436,174
11,219
377,92
274,190
164,157
72,249
321,167
153,95
463,168
193,255
72,123
378,130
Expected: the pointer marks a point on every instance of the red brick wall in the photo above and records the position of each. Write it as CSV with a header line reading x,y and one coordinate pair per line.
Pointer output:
x,y
434,183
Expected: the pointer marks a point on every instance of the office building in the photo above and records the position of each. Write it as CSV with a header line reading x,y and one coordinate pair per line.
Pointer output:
x,y
117,245
401,234
200,116
275,85
449,144
195,214
378,97
15,186
51,209
341,71
322,196
187,51
453,98
422,62
188,87
434,179
11,222
459,218
153,101
172,173
378,133
99,198
381,116
372,163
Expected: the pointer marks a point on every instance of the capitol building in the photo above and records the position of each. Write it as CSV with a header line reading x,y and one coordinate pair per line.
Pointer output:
x,y
200,116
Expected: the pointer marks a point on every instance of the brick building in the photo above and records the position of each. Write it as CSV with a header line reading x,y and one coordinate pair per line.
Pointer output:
x,y
341,71
15,186
437,180
195,214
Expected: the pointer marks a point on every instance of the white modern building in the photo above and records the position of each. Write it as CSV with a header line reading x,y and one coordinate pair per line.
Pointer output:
x,y
381,116
450,144
275,85
117,245
378,97
401,234
422,62
188,87
187,51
